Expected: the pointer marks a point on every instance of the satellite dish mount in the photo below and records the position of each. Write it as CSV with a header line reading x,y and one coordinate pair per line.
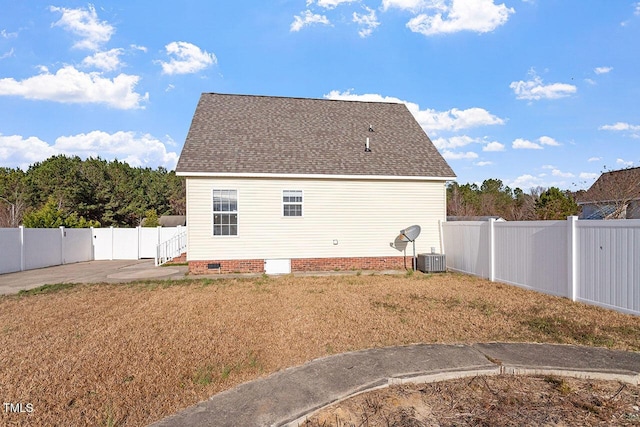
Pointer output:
x,y
410,234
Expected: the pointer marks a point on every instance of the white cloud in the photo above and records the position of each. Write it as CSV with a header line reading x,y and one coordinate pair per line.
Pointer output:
x,y
5,35
525,182
307,18
559,173
7,54
330,4
493,146
368,22
187,59
483,164
17,151
414,5
630,130
602,70
84,23
535,89
620,126
453,142
594,159
624,163
455,119
135,149
547,140
588,175
590,81
524,144
69,85
140,48
450,155
430,120
481,16
636,12
106,61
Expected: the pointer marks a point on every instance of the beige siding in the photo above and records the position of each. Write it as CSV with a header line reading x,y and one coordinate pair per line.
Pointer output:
x,y
364,216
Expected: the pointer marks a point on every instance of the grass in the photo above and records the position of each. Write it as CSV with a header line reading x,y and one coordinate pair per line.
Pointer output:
x,y
82,353
592,333
47,289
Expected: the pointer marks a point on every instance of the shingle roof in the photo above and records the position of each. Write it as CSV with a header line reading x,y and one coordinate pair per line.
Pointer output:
x,y
245,134
172,220
618,185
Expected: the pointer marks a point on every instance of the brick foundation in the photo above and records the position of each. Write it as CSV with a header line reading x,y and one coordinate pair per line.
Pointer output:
x,y
303,264
179,259
359,263
227,266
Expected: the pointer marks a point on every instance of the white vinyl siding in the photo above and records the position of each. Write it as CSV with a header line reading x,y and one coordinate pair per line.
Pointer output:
x,y
292,203
363,216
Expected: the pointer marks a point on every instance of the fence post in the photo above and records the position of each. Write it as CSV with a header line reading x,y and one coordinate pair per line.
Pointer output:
x,y
572,257
22,263
62,233
93,245
492,250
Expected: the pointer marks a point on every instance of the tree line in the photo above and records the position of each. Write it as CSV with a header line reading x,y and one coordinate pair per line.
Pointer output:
x,y
69,191
493,198
72,192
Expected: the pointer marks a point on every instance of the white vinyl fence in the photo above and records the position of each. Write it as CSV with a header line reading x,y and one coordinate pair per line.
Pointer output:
x,y
596,262
130,243
29,248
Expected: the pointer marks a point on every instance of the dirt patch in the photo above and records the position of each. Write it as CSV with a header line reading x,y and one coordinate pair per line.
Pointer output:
x,y
489,401
132,354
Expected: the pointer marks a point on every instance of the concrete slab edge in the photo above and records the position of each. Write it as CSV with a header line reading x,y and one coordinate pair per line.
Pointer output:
x,y
414,378
633,379
300,418
425,378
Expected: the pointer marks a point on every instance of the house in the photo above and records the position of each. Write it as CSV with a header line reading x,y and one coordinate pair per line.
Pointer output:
x,y
475,218
614,195
172,220
280,184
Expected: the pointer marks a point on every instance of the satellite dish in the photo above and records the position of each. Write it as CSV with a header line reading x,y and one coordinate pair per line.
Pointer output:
x,y
410,234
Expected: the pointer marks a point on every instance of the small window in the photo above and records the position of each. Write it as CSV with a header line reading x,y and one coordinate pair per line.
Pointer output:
x,y
292,203
225,212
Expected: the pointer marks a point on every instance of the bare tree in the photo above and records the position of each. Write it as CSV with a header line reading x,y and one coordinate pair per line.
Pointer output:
x,y
462,200
523,207
11,212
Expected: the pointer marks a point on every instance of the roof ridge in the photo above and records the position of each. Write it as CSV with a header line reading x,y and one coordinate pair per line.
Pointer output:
x,y
300,98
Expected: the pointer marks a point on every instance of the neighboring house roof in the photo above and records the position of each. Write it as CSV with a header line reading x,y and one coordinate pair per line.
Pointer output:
x,y
245,135
602,212
474,218
172,220
613,186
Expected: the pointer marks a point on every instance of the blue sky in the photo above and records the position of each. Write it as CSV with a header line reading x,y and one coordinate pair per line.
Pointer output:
x,y
532,92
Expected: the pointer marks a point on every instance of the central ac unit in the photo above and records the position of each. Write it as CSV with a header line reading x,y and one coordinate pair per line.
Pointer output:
x,y
432,263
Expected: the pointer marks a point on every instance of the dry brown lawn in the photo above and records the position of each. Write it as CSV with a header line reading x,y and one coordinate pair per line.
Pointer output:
x,y
132,354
